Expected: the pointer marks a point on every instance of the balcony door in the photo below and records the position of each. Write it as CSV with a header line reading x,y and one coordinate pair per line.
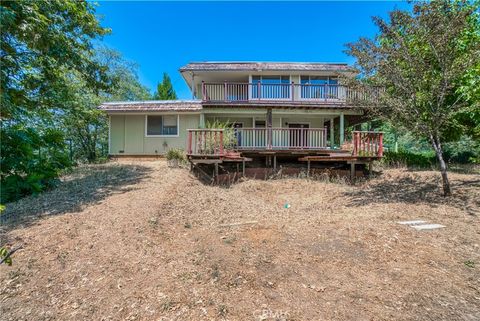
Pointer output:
x,y
271,87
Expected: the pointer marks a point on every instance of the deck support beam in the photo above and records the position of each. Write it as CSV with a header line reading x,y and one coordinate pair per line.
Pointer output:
x,y
216,172
342,132
269,128
332,132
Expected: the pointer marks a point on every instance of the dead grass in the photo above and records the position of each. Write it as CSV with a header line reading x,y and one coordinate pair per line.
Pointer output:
x,y
141,241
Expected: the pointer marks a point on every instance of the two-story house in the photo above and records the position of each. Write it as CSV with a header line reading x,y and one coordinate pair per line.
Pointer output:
x,y
275,107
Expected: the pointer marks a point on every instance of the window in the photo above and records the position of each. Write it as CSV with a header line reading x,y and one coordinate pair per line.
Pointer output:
x,y
319,87
162,125
271,87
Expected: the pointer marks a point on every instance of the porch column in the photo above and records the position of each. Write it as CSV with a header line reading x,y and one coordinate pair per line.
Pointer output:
x,y
269,128
202,120
342,132
332,132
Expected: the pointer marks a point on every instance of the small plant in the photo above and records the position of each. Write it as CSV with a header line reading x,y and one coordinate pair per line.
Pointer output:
x,y
469,263
229,135
175,157
4,256
230,240
222,310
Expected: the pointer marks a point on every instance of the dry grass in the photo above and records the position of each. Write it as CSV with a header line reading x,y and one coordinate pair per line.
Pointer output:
x,y
142,241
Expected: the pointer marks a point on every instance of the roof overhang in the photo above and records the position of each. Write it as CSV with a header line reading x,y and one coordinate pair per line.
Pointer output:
x,y
183,106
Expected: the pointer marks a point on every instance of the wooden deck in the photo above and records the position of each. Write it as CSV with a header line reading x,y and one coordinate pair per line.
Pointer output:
x,y
207,146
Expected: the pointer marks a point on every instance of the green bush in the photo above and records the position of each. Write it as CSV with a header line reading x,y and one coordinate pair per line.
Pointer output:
x,y
407,158
229,137
31,161
176,157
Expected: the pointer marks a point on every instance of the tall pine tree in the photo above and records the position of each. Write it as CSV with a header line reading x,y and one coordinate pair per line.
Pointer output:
x,y
165,89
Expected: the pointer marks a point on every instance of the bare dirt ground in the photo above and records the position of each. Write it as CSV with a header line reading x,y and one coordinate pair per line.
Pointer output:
x,y
141,241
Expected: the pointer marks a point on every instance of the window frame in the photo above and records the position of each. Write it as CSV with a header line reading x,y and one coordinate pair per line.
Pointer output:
x,y
162,115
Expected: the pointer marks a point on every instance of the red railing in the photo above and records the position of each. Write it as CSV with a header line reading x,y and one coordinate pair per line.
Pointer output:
x,y
367,144
244,92
208,142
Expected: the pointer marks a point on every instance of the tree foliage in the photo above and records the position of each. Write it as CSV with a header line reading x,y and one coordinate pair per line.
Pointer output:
x,y
42,44
52,80
427,60
85,126
165,89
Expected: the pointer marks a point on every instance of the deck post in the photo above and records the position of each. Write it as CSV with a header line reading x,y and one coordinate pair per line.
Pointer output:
x,y
243,167
308,168
269,128
332,132
216,173
275,162
342,125
352,171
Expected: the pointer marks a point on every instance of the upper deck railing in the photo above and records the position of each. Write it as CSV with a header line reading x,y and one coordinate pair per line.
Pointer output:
x,y
251,92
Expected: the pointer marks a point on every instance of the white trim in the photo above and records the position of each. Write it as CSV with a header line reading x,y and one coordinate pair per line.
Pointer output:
x,y
164,136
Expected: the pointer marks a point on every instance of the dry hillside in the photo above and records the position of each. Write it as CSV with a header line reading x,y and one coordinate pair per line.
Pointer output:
x,y
141,241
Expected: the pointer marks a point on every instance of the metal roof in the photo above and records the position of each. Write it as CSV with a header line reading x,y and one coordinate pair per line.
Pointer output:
x,y
265,66
153,105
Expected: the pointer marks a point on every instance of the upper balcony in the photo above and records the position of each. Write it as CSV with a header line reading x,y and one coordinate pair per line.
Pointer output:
x,y
231,92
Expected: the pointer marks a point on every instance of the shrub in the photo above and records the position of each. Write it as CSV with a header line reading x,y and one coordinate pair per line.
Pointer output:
x,y
175,157
407,158
31,161
229,137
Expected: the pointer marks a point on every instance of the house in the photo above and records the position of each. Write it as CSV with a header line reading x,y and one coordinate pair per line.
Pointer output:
x,y
275,107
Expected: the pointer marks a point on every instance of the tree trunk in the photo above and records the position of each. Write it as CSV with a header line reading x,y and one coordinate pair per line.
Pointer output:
x,y
437,146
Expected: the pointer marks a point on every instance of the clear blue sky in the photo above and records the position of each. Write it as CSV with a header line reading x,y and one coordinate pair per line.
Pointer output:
x,y
163,36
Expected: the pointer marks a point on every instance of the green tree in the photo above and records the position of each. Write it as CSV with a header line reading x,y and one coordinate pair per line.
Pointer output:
x,y
427,60
84,124
165,89
42,44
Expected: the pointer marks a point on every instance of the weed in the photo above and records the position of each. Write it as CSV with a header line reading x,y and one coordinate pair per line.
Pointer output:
x,y
215,272
469,263
222,310
230,240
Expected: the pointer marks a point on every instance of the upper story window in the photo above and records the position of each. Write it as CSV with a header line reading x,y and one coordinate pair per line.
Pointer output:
x,y
319,87
165,125
271,87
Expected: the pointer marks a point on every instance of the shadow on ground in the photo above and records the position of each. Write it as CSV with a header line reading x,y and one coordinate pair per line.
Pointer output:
x,y
85,186
417,189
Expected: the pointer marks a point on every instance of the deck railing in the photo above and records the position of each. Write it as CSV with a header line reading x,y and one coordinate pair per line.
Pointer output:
x,y
216,142
244,92
368,144
205,142
281,138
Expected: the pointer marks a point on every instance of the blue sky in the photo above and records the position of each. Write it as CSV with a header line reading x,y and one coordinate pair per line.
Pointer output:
x,y
163,36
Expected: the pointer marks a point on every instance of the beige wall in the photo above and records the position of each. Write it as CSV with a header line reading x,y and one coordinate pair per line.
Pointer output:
x,y
127,134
